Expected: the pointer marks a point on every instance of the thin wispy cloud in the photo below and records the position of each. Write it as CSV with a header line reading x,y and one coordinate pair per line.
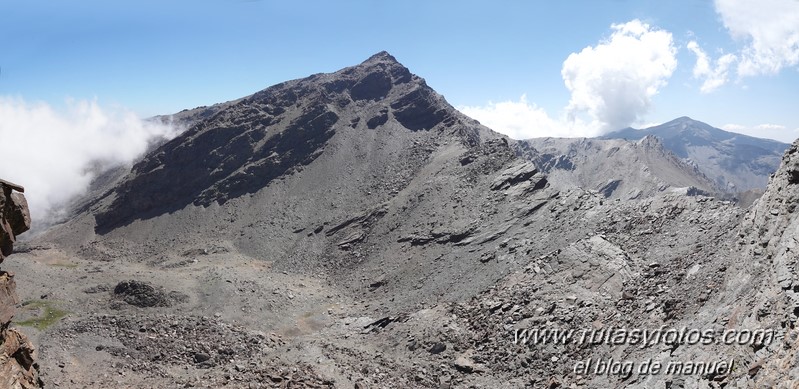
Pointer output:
x,y
713,75
765,130
769,37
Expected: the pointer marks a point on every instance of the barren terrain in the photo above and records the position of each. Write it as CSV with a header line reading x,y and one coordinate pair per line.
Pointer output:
x,y
352,229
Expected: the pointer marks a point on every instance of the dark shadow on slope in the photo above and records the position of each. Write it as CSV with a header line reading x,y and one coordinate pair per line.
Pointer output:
x,y
215,166
246,144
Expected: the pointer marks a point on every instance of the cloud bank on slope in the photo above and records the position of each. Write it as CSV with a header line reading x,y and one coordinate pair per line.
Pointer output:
x,y
56,154
612,85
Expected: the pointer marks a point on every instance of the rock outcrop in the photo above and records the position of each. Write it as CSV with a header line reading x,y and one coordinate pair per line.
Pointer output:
x,y
769,231
17,357
14,218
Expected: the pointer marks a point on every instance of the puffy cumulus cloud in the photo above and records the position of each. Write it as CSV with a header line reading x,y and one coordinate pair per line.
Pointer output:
x,y
55,154
770,29
714,76
614,81
766,130
523,120
611,85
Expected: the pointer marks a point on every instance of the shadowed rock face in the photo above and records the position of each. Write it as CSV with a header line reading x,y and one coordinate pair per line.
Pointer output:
x,y
14,216
240,147
17,367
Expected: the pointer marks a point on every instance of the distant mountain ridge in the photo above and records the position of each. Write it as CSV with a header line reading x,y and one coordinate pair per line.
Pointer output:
x,y
616,168
735,162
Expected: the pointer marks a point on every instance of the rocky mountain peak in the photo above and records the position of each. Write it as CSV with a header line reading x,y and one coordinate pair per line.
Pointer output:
x,y
375,77
239,147
687,126
685,120
382,56
650,141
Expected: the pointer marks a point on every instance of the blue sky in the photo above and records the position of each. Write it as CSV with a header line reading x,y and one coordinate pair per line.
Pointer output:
x,y
160,57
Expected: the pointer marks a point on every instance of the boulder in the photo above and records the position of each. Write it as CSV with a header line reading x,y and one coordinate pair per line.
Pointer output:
x,y
519,172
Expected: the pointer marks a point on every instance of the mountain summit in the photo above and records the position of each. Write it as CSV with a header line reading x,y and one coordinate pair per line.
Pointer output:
x,y
240,147
735,162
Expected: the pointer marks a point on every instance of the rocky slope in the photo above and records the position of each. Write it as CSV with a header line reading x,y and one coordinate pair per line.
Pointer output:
x,y
363,187
768,235
735,162
18,367
673,264
249,143
352,229
616,168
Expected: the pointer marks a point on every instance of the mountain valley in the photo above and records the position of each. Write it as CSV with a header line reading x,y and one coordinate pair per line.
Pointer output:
x,y
354,230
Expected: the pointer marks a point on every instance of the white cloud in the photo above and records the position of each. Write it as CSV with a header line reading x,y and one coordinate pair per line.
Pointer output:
x,y
766,130
714,77
734,128
614,81
524,120
702,67
770,127
54,154
770,29
611,85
